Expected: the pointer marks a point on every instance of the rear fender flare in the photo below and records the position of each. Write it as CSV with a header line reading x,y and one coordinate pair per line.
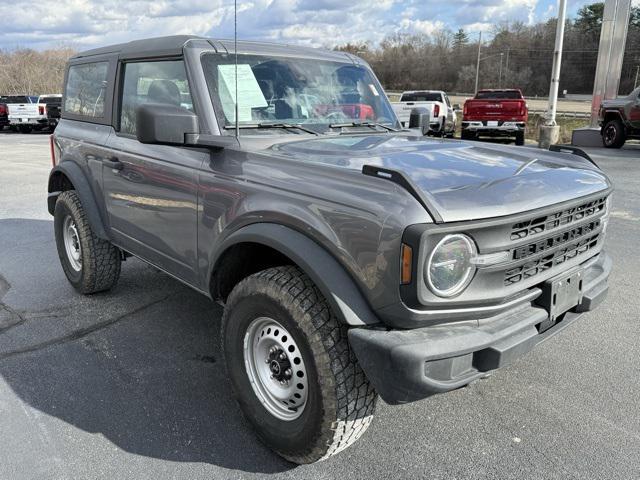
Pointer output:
x,y
82,187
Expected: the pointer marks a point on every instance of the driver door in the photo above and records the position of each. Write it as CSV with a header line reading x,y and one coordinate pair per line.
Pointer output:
x,y
151,190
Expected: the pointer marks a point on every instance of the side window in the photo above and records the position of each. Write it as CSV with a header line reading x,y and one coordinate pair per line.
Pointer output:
x,y
446,99
86,87
163,82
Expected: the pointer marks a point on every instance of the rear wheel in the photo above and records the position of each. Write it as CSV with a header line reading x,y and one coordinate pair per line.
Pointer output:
x,y
519,138
294,375
613,134
25,128
90,263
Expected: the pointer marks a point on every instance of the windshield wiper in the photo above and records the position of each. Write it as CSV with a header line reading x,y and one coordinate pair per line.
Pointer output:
x,y
363,124
273,125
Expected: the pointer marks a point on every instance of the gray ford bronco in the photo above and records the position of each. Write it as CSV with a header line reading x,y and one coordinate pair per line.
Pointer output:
x,y
353,258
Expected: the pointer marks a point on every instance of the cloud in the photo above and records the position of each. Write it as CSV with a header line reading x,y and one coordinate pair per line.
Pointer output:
x,y
88,23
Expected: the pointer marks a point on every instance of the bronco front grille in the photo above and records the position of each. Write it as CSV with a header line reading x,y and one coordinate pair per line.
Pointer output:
x,y
561,238
539,265
561,218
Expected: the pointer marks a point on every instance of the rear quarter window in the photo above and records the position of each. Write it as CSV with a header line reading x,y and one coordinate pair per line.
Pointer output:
x,y
86,89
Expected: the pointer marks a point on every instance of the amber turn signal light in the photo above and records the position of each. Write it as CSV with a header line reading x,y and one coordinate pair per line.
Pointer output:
x,y
406,256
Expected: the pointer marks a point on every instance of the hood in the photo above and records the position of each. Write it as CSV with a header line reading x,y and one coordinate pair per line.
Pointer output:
x,y
461,180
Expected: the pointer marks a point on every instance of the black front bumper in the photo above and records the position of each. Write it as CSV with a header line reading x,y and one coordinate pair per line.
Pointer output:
x,y
408,365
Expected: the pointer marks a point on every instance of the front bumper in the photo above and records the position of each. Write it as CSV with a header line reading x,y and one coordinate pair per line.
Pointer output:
x,y
408,365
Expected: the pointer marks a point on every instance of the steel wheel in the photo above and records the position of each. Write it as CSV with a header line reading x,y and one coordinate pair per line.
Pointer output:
x,y
72,243
275,368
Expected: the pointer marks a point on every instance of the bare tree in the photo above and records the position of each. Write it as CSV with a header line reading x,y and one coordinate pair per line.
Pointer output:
x,y
30,72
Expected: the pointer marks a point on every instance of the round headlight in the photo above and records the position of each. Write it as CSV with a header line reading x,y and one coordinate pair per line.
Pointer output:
x,y
449,268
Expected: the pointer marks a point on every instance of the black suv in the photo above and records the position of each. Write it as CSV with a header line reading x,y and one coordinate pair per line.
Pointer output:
x,y
353,258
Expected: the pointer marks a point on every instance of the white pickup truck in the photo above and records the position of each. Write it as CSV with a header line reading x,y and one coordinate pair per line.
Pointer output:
x,y
30,114
443,116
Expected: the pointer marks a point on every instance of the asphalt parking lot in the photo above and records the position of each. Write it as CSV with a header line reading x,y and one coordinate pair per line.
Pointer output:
x,y
130,383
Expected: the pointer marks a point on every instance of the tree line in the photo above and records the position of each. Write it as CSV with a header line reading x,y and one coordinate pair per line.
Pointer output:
x,y
31,72
515,55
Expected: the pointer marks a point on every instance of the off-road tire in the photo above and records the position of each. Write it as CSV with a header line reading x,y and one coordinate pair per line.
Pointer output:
x,y
613,134
341,401
101,260
519,138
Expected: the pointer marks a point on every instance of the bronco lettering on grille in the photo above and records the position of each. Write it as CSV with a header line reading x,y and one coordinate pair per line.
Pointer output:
x,y
547,243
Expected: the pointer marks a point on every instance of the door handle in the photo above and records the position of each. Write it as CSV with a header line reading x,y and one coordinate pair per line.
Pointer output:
x,y
113,162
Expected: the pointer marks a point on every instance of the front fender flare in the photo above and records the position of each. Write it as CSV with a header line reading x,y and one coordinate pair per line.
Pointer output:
x,y
331,278
82,187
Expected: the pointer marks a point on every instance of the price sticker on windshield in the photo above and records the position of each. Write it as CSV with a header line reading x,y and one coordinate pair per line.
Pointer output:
x,y
249,92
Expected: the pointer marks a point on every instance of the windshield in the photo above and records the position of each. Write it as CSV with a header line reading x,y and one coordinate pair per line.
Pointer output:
x,y
282,90
421,97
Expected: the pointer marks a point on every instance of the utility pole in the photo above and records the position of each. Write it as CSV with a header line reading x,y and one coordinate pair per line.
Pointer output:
x,y
478,62
557,60
500,74
635,83
506,67
550,132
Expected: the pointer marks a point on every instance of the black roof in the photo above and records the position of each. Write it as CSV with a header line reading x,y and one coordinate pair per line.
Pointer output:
x,y
147,46
173,45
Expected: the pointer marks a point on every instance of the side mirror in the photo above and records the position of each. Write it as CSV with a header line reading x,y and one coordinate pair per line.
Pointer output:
x,y
456,106
420,118
164,124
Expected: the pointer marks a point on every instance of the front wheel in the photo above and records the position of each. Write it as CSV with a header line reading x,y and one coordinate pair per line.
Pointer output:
x,y
520,138
293,373
613,134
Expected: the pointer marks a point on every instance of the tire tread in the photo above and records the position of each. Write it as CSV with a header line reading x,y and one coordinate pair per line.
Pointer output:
x,y
350,405
101,264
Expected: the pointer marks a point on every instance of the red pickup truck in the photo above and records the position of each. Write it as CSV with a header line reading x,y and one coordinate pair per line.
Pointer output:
x,y
495,113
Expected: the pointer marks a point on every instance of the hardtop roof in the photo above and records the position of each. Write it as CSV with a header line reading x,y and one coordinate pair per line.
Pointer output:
x,y
173,45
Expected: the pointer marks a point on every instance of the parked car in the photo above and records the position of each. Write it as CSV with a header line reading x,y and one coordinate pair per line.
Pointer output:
x,y
50,106
15,104
495,113
620,119
353,259
443,116
4,115
31,115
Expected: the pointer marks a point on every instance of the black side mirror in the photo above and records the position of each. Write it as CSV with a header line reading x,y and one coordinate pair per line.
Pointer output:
x,y
420,118
456,106
164,124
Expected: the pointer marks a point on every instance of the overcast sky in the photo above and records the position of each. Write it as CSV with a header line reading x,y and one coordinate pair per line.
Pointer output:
x,y
87,23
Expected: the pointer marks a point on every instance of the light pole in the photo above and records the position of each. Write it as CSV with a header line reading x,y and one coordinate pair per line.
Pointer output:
x,y
635,83
557,60
549,133
500,74
478,62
